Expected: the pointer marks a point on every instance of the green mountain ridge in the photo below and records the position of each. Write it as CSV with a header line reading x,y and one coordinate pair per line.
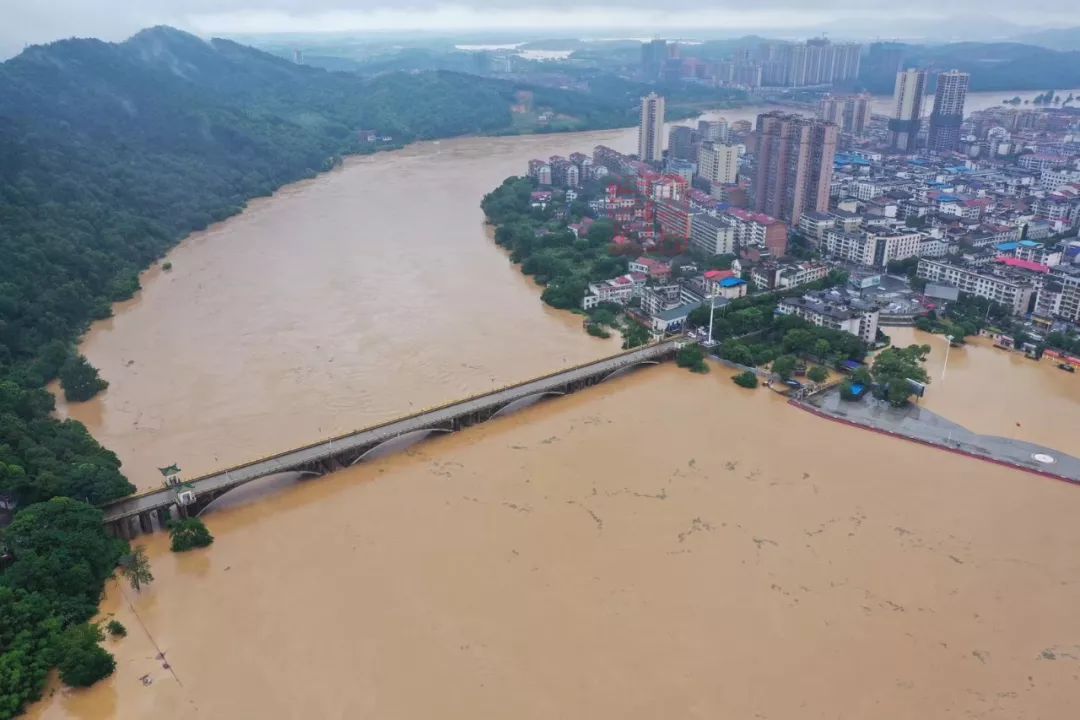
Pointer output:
x,y
110,153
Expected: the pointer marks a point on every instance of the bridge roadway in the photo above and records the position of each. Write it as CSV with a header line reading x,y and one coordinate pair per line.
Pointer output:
x,y
344,450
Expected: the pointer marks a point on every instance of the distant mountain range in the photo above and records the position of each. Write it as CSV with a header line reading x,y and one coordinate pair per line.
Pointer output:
x,y
993,66
1059,39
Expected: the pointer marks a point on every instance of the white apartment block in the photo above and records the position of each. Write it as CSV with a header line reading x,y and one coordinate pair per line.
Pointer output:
x,y
718,163
1059,295
1009,289
814,225
818,309
872,248
713,235
1052,180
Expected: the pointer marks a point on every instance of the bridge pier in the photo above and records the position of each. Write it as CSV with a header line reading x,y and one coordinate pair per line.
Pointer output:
x,y
146,522
164,516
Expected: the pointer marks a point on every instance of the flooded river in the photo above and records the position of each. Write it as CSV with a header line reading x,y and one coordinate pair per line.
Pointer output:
x,y
665,545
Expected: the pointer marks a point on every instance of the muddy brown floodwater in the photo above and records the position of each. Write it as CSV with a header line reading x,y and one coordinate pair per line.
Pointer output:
x,y
997,392
664,545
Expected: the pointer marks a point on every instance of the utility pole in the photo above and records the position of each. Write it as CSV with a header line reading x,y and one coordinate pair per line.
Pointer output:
x,y
712,311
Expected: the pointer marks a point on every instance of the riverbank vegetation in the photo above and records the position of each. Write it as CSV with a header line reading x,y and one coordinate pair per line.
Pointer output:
x,y
692,357
545,247
58,558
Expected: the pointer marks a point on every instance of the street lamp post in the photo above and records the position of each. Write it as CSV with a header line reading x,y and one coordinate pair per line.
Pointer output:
x,y
712,311
945,366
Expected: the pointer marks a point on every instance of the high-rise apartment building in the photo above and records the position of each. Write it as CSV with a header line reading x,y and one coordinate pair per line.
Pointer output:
x,y
683,143
849,112
718,163
653,56
948,113
713,130
794,157
815,62
906,118
651,129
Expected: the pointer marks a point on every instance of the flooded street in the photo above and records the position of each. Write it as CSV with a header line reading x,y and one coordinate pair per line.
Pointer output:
x,y
663,545
995,392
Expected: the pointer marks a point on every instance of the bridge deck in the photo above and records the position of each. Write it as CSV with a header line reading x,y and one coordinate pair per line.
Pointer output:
x,y
434,417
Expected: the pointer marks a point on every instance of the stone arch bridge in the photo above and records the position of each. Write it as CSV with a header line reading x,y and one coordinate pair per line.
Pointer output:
x,y
126,516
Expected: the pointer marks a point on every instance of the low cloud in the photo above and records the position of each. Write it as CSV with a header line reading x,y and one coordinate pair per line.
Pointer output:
x,y
35,21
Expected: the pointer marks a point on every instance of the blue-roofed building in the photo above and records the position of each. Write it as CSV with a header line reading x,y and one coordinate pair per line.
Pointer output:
x,y
732,287
842,159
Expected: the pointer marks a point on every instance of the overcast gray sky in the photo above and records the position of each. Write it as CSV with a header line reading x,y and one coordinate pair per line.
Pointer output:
x,y
36,21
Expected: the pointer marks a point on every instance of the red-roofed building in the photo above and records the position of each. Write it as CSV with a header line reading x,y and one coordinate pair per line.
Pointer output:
x,y
540,198
1023,264
669,187
655,269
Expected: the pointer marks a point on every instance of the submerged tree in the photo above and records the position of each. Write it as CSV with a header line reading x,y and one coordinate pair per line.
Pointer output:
x,y
80,379
894,367
188,534
135,566
746,379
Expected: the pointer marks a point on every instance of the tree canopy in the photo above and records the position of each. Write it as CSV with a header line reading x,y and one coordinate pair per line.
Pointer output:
x,y
60,558
892,369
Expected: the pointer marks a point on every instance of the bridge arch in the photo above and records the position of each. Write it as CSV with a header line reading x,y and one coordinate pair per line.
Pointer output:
x,y
373,448
625,368
527,399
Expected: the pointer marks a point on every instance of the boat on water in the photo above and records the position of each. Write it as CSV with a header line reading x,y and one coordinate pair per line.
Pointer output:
x,y
1067,367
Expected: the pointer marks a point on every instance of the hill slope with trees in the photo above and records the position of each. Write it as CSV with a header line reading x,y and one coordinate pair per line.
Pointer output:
x,y
109,155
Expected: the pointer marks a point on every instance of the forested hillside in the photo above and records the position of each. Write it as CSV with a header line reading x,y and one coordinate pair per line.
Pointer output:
x,y
109,155
993,66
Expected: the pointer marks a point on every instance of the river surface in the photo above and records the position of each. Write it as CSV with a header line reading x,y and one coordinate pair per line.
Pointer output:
x,y
665,545
364,294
